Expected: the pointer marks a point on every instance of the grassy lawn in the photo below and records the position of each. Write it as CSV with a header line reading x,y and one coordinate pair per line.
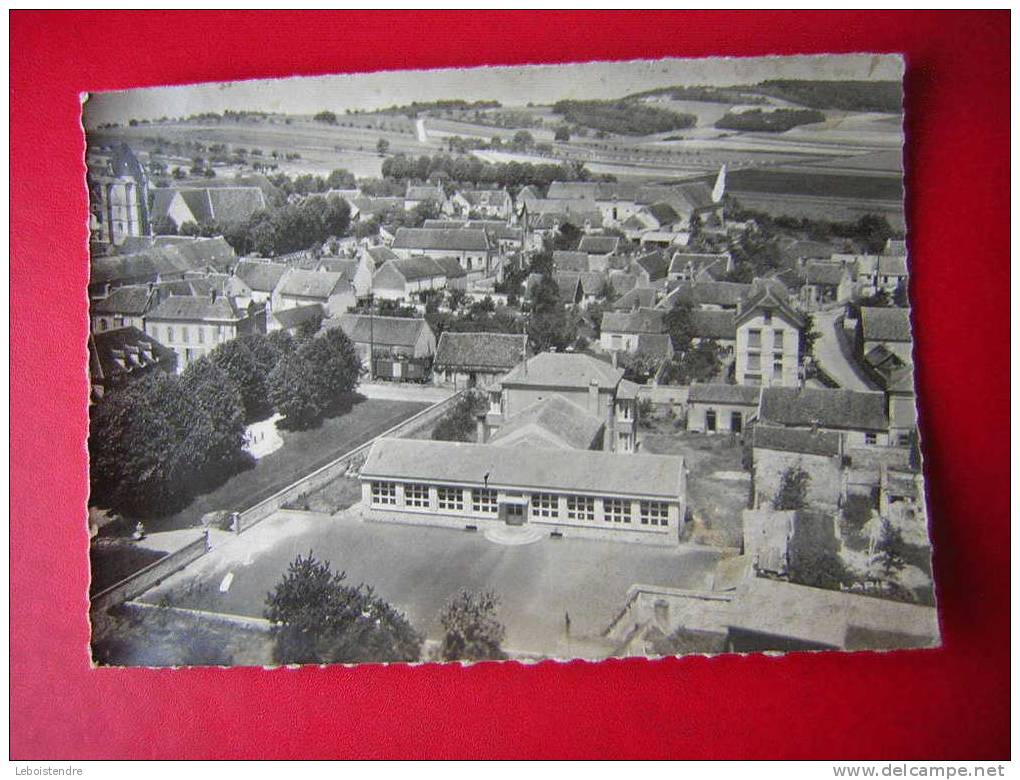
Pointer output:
x,y
714,496
302,452
417,568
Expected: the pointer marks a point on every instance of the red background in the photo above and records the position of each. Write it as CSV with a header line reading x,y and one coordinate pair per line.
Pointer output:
x,y
949,703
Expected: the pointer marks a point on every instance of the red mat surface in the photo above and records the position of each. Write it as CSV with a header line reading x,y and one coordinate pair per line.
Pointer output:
x,y
949,703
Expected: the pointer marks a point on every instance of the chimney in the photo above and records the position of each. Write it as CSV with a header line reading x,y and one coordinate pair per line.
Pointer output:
x,y
615,359
593,396
481,429
212,295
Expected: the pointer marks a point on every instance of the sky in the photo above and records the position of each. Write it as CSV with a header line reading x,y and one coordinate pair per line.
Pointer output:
x,y
517,85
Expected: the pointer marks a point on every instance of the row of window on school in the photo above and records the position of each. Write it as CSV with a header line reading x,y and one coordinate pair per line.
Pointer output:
x,y
449,498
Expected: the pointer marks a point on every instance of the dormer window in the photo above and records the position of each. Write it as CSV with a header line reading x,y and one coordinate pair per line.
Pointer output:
x,y
768,316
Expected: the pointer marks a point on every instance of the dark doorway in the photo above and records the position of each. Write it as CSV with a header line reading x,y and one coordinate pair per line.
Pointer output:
x,y
736,422
710,420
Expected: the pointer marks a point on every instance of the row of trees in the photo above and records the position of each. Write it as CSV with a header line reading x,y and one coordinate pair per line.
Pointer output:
x,y
470,169
291,227
771,121
157,442
319,618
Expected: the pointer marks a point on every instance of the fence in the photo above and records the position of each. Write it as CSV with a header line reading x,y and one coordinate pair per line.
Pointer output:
x,y
339,466
143,579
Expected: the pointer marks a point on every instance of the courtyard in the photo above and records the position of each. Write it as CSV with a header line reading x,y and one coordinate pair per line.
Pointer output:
x,y
418,568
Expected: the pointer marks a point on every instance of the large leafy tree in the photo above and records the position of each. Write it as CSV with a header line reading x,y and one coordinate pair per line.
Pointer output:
x,y
236,360
294,391
680,327
337,365
319,618
471,628
793,488
222,415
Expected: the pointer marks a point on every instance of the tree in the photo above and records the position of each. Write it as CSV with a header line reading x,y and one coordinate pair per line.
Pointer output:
x,y
295,392
562,133
318,618
679,325
890,548
455,299
471,630
382,146
340,179
190,229
237,361
459,423
522,140
219,399
326,117
792,489
337,365
899,296
164,226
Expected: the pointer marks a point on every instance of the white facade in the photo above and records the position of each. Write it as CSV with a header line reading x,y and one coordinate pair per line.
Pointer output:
x,y
767,351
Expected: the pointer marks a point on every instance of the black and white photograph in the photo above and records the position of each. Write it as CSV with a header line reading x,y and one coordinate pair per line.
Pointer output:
x,y
526,363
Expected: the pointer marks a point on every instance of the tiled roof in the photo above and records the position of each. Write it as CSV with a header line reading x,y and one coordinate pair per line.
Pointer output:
x,y
655,264
565,260
807,442
122,351
419,267
450,267
713,324
622,282
599,245
663,213
298,283
299,315
480,351
382,331
415,192
582,471
728,294
640,321
720,393
892,266
194,308
655,345
682,262
486,197
130,300
639,296
824,274
145,266
565,421
828,408
895,246
260,277
212,204
769,295
464,239
201,251
563,369
592,282
559,190
885,324
380,254
569,283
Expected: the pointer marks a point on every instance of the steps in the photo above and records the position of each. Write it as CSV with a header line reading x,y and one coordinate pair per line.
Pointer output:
x,y
514,535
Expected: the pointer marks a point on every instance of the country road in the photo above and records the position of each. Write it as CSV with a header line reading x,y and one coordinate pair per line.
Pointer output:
x,y
831,354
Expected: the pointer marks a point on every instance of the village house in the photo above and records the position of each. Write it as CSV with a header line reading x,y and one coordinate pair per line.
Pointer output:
x,y
402,280
482,203
400,347
860,418
621,330
297,320
121,354
193,326
768,337
716,325
570,492
825,283
417,195
570,260
699,266
636,298
658,218
599,249
569,284
301,288
357,272
884,331
254,281
892,273
652,267
377,256
123,307
477,359
775,450
205,205
595,387
721,408
707,295
367,208
470,247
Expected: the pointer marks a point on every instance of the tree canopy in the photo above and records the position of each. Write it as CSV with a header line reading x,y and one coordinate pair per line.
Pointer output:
x,y
319,618
471,629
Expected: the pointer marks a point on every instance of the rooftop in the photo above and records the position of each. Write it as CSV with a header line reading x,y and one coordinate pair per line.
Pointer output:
x,y
720,393
828,408
260,277
310,284
806,442
641,321
439,239
480,351
382,331
558,422
572,471
564,369
194,308
885,324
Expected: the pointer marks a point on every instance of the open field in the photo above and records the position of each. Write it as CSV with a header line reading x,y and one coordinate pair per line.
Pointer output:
x,y
302,453
417,568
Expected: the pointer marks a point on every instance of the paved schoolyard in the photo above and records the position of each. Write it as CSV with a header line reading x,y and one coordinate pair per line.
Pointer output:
x,y
418,568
